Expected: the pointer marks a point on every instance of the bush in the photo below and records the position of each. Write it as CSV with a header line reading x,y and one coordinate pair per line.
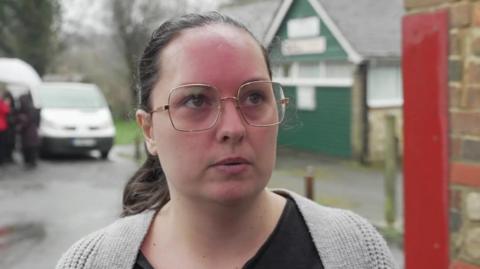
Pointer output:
x,y
126,132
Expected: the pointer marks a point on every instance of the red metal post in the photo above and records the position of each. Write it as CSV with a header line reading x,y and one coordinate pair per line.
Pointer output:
x,y
425,70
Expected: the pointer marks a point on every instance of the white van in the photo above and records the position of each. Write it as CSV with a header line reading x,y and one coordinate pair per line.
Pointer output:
x,y
74,118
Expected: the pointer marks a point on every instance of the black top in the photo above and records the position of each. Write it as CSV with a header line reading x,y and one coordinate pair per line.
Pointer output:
x,y
289,246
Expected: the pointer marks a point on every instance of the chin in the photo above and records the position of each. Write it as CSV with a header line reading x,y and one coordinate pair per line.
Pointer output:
x,y
235,194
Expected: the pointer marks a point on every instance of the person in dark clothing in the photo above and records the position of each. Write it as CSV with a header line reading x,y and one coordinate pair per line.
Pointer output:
x,y
4,111
28,122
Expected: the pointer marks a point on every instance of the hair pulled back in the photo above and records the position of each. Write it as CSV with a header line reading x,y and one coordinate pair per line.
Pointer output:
x,y
147,188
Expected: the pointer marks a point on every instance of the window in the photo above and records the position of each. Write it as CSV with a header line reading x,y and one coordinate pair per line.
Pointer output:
x,y
277,71
384,85
306,99
309,70
281,70
286,69
325,69
338,69
303,27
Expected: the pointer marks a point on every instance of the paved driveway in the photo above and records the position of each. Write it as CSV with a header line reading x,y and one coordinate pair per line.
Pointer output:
x,y
62,200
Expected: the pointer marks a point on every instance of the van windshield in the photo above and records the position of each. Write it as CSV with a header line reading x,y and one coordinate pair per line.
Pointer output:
x,y
71,97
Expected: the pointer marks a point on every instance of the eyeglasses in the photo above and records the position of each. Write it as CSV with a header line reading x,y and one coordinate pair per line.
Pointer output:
x,y
197,107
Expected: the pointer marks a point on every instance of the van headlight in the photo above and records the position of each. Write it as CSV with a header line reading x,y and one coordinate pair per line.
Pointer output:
x,y
105,125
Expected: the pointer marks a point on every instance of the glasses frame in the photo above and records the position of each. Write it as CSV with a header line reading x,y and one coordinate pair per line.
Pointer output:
x,y
166,107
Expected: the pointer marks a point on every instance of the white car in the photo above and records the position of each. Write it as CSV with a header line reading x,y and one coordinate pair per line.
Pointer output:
x,y
74,118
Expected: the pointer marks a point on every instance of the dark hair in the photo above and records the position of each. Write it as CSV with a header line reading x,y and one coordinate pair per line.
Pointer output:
x,y
147,188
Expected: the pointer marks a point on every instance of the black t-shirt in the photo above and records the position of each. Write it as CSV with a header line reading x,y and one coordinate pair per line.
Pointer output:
x,y
289,246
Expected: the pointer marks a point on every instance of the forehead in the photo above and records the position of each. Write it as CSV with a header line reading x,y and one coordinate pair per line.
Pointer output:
x,y
221,55
222,36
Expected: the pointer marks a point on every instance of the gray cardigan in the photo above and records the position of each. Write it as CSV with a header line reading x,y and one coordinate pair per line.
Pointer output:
x,y
343,240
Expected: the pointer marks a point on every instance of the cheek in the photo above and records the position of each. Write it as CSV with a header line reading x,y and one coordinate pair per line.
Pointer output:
x,y
264,143
178,151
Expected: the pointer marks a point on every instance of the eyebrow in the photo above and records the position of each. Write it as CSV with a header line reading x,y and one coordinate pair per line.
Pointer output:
x,y
256,79
209,84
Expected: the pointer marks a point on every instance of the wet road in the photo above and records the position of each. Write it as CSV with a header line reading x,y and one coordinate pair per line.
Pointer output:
x,y
47,209
43,211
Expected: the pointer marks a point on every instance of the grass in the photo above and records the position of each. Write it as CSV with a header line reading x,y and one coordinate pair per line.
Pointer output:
x,y
336,202
392,235
126,132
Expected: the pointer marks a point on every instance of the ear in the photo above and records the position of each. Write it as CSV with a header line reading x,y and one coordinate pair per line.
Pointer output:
x,y
144,121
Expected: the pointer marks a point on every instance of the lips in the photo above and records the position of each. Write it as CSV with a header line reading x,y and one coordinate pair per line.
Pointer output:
x,y
232,165
232,161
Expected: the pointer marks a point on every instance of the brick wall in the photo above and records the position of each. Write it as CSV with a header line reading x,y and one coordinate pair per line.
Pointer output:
x,y
464,109
377,132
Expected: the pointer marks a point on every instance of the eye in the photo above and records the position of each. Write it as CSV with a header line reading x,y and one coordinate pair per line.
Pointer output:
x,y
254,98
196,101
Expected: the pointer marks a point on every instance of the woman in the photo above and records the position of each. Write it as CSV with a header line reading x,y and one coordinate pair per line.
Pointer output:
x,y
210,116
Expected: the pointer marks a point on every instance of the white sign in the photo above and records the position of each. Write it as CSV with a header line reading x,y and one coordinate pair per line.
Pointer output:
x,y
303,27
304,46
306,99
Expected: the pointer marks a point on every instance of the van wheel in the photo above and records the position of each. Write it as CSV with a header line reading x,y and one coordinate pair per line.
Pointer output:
x,y
104,154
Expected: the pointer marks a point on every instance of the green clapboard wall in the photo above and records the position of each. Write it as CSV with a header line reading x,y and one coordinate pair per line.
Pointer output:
x,y
302,9
326,130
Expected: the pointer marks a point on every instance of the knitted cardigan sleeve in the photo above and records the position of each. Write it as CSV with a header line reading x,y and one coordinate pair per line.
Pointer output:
x,y
115,246
343,238
81,255
374,251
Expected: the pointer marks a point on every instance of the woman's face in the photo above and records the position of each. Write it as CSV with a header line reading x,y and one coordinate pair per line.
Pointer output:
x,y
232,161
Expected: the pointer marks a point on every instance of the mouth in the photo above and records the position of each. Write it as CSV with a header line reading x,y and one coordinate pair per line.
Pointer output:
x,y
232,161
233,165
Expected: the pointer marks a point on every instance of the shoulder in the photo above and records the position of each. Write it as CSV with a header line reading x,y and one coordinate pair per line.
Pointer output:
x,y
116,244
82,253
343,238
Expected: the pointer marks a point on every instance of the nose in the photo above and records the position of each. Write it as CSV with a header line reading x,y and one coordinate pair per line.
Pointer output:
x,y
230,125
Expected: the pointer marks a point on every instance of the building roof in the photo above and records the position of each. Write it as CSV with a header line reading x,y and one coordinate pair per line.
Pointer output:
x,y
371,27
255,15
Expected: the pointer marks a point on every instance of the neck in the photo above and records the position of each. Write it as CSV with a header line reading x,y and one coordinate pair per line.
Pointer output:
x,y
210,231
212,220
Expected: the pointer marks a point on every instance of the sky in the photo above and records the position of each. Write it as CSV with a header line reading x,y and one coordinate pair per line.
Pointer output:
x,y
83,16
87,16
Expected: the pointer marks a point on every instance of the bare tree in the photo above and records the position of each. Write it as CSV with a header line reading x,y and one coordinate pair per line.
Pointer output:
x,y
133,22
29,29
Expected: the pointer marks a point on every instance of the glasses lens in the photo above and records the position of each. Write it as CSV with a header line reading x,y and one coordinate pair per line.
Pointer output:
x,y
262,103
193,107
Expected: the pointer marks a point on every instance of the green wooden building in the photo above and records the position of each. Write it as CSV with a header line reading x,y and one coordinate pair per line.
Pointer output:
x,y
339,62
